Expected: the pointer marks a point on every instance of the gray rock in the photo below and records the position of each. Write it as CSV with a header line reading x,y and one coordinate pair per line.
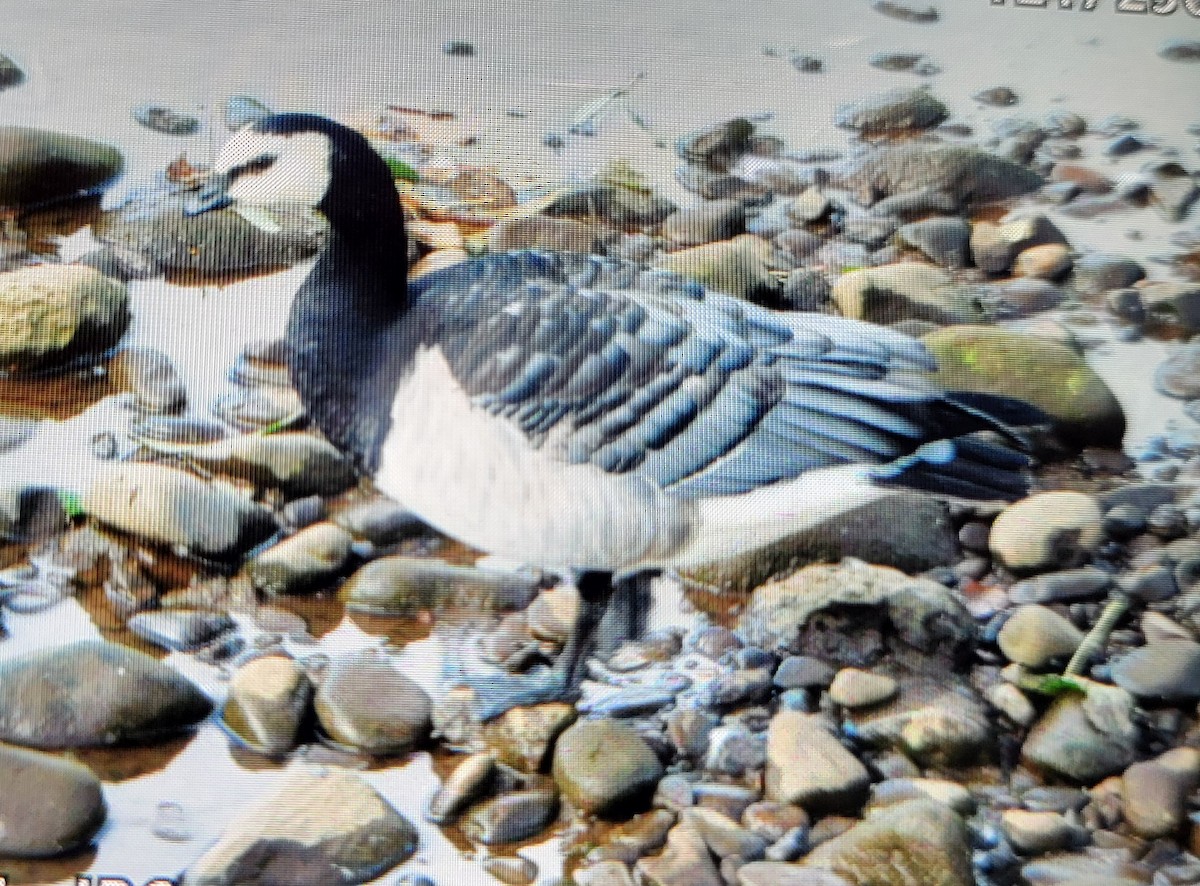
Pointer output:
x,y
716,220
806,290
313,556
56,315
623,208
524,736
165,120
944,240
152,377
49,806
898,110
1180,49
10,74
1067,585
1035,636
902,790
1023,297
1167,671
94,693
997,97
1156,792
807,766
1047,530
602,766
925,615
467,783
917,62
318,827
1179,375
741,266
268,700
1034,833
403,585
174,508
995,246
1085,738
364,702
180,630
1177,303
724,836
1099,272
912,844
38,166
380,521
854,688
921,201
777,873
685,861
905,291
940,721
1173,197
1064,124
213,244
969,175
907,12
512,817
554,234
514,870
719,146
803,672
870,532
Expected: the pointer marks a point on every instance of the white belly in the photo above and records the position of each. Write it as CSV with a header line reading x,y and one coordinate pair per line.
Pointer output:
x,y
476,478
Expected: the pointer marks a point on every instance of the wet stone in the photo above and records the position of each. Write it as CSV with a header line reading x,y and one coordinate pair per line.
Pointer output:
x,y
1066,585
49,806
515,870
180,630
94,693
1098,272
1156,792
313,556
268,700
380,521
902,790
1167,671
152,378
602,766
364,702
318,827
1035,636
512,817
686,861
803,672
719,146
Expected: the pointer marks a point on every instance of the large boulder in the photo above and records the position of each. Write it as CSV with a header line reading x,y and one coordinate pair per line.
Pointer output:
x,y
40,166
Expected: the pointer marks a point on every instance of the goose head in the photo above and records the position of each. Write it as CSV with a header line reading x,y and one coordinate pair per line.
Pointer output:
x,y
305,161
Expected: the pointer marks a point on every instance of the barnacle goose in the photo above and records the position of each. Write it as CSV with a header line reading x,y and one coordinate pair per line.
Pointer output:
x,y
571,411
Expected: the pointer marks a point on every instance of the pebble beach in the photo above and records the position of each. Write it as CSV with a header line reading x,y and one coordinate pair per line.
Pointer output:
x,y
225,659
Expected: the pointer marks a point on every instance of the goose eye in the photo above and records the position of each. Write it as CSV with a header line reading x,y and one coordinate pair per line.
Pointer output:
x,y
252,167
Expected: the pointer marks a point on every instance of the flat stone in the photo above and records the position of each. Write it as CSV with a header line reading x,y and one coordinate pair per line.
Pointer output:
x,y
94,693
778,873
551,234
969,175
467,783
944,240
714,220
602,766
267,703
172,507
1037,635
740,266
512,817
902,790
318,827
1099,272
1047,530
49,806
364,702
807,766
180,629
685,861
913,844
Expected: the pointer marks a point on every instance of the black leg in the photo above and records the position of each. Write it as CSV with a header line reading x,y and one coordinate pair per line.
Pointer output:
x,y
595,590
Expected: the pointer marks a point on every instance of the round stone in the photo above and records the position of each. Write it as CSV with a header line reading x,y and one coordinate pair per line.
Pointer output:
x,y
1047,530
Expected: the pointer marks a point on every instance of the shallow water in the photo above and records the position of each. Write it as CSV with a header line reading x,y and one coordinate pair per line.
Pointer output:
x,y
89,63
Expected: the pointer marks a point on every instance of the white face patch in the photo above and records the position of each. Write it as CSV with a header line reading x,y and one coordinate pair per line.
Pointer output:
x,y
269,169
